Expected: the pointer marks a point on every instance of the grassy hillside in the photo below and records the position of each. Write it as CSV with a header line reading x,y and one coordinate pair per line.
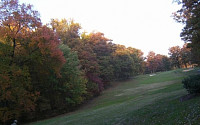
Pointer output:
x,y
142,100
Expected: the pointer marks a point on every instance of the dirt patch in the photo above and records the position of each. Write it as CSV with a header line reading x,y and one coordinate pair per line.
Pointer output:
x,y
152,74
187,70
188,97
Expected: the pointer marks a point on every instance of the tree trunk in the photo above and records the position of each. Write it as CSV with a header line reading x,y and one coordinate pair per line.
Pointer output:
x,y
186,65
13,51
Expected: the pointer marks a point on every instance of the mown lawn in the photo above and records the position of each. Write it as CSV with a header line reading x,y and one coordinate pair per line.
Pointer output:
x,y
144,100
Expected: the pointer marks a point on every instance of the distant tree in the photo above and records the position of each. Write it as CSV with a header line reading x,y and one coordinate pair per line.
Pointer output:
x,y
190,16
166,63
157,63
180,57
152,63
175,56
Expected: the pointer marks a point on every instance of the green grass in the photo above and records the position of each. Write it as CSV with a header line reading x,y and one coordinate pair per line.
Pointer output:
x,y
168,111
143,100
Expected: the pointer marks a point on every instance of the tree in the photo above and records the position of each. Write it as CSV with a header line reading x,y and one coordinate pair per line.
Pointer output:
x,y
31,56
103,49
166,63
72,86
175,56
123,63
157,63
68,31
152,64
90,67
180,57
17,96
17,22
185,55
137,56
190,16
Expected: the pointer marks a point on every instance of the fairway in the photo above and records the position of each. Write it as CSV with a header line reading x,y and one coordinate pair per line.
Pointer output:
x,y
142,100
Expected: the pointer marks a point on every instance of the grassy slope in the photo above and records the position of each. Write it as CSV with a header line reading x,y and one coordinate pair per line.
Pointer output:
x,y
143,100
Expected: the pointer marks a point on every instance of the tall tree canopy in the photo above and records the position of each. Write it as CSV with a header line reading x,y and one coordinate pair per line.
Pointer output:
x,y
17,22
189,14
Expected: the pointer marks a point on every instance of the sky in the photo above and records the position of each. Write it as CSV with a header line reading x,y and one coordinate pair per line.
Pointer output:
x,y
147,25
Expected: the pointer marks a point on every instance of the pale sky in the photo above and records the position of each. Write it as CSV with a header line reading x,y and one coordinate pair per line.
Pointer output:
x,y
142,24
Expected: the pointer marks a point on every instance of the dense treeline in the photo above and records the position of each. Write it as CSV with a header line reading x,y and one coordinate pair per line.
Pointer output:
x,y
50,69
179,57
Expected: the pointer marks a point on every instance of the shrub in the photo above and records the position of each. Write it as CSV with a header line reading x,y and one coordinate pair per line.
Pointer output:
x,y
192,84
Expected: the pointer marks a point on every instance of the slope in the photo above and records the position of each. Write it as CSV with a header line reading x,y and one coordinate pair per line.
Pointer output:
x,y
142,100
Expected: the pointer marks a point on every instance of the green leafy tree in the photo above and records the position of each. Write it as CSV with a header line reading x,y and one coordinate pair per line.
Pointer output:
x,y
72,84
186,56
190,16
166,63
123,63
137,56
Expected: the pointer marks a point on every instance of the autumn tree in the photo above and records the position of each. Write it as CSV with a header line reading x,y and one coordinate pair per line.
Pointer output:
x,y
68,32
152,63
17,96
54,68
180,57
17,22
45,61
103,48
31,56
175,56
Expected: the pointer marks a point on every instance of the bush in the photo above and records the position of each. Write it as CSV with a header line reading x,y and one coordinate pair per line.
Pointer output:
x,y
192,84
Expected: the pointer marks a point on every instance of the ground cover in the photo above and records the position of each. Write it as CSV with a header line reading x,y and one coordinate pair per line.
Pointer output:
x,y
142,100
